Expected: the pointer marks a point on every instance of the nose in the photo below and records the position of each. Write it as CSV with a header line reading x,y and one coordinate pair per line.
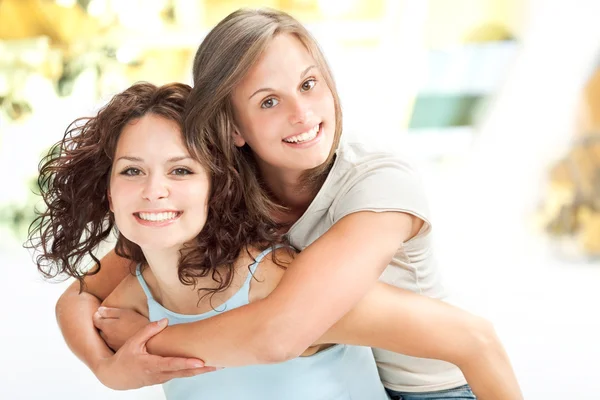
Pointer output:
x,y
155,188
300,111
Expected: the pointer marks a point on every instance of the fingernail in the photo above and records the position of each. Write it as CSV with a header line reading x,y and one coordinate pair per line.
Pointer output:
x,y
218,368
198,365
101,309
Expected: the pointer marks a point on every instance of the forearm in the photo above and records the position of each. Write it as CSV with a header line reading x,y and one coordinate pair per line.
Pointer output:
x,y
74,313
488,370
242,336
404,322
469,342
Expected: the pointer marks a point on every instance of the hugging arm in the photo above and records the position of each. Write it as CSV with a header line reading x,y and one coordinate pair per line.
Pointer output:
x,y
404,322
332,271
74,312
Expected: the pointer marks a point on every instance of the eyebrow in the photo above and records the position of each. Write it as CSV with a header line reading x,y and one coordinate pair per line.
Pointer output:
x,y
138,159
302,75
306,71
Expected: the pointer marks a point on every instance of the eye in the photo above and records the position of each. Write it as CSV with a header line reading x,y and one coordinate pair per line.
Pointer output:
x,y
181,172
269,103
131,171
308,84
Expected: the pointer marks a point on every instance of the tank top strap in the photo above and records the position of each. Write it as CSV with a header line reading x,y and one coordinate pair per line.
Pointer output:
x,y
257,261
142,281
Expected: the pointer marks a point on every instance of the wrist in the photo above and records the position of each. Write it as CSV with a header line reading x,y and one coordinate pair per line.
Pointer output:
x,y
104,370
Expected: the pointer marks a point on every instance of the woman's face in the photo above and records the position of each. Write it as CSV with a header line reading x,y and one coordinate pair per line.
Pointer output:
x,y
284,109
158,193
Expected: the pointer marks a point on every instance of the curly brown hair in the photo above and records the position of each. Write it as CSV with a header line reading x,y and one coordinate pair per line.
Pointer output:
x,y
74,179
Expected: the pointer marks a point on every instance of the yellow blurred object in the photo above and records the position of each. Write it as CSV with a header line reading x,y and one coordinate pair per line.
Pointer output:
x,y
590,107
457,21
22,19
572,206
590,234
488,33
163,65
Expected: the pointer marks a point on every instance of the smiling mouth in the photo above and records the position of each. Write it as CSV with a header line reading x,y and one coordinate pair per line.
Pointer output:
x,y
159,216
304,136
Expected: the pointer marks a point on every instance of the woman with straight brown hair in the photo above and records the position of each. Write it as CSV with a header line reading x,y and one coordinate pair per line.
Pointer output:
x,y
265,112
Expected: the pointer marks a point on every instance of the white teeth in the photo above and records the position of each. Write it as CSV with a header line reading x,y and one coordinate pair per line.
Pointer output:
x,y
305,136
158,217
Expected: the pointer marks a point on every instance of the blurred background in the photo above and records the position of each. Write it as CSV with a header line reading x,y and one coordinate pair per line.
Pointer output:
x,y
496,101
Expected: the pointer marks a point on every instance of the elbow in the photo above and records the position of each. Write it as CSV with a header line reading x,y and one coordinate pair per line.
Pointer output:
x,y
486,338
283,353
276,354
481,343
71,301
61,304
276,346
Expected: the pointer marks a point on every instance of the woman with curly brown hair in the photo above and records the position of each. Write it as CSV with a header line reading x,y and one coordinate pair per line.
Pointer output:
x,y
128,168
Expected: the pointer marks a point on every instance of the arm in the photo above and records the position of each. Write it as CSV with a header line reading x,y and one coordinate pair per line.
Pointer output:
x,y
427,327
128,298
131,367
74,316
337,269
404,322
74,311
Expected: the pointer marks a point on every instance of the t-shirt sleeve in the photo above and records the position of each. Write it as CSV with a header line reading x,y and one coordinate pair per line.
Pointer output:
x,y
387,184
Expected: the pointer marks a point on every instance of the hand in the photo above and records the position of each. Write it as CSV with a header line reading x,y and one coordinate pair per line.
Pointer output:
x,y
133,367
117,325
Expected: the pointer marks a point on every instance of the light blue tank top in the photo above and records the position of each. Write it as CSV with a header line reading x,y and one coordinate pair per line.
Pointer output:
x,y
340,372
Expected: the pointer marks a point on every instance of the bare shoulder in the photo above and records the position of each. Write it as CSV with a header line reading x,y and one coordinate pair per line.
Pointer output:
x,y
270,271
128,294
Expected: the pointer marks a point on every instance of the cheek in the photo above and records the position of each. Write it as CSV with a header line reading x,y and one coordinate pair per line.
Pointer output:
x,y
121,194
196,194
327,103
263,126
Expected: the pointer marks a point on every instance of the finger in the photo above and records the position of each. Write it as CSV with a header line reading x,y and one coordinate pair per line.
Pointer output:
x,y
148,331
97,319
169,364
104,324
184,373
109,312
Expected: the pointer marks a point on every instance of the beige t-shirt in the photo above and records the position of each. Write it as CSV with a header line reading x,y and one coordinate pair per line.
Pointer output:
x,y
367,180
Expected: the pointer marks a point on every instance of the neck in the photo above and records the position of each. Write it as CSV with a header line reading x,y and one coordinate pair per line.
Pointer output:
x,y
288,189
166,286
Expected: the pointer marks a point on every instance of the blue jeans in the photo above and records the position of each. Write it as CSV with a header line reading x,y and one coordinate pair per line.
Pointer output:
x,y
462,392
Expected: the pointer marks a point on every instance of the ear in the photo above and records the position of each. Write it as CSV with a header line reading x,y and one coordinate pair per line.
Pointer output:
x,y
238,140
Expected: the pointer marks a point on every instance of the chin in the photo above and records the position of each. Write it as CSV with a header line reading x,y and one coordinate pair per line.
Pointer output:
x,y
316,160
314,165
154,245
